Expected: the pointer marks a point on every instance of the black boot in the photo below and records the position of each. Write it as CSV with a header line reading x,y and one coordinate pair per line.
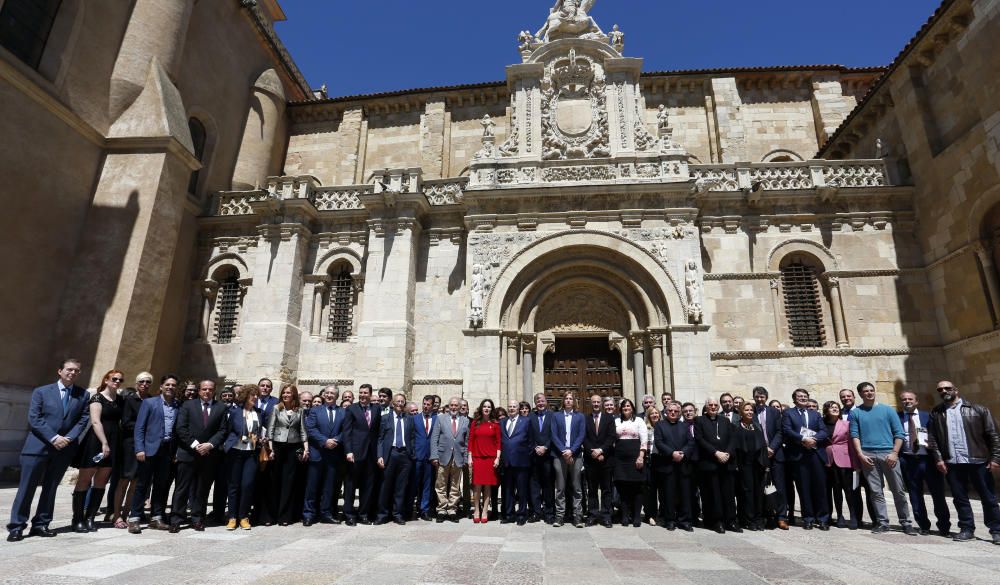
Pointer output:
x,y
96,495
79,501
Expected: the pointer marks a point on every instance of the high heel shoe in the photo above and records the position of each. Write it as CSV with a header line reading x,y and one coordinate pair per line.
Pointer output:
x,y
484,520
475,520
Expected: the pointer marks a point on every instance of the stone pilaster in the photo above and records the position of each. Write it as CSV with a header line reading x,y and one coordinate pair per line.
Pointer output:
x,y
432,124
730,129
830,105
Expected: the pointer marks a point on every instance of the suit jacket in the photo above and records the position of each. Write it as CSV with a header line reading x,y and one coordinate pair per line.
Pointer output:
x,y
287,426
387,432
772,428
541,433
578,430
190,428
360,438
516,446
446,446
600,438
237,427
839,451
732,416
423,440
46,419
709,442
266,406
791,427
319,429
669,437
904,419
149,426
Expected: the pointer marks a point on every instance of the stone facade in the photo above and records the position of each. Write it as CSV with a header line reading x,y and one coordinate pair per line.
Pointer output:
x,y
452,240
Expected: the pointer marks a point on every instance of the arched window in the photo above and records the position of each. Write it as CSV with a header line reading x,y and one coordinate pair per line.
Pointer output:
x,y
227,309
341,304
803,303
25,26
198,139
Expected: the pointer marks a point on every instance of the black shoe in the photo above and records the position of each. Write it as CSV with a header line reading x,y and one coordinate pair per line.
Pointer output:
x,y
174,528
964,536
440,519
578,523
841,523
307,522
327,520
42,531
534,518
79,527
506,521
687,528
824,526
720,528
453,518
607,523
557,524
381,521
996,538
910,530
670,526
16,535
550,520
852,525
734,528
198,527
944,533
425,516
399,520
880,529
807,525
351,522
522,521
591,522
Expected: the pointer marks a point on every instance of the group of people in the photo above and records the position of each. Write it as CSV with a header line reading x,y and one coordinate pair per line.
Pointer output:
x,y
295,456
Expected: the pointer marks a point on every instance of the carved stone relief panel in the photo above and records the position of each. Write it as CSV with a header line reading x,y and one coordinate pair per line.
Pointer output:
x,y
581,308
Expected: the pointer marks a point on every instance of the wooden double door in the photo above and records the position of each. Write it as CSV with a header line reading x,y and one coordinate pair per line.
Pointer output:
x,y
584,365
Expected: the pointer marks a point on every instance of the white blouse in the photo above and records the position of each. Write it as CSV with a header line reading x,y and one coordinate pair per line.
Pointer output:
x,y
252,425
632,429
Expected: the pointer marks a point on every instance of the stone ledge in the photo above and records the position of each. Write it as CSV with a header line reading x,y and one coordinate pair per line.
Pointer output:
x,y
817,352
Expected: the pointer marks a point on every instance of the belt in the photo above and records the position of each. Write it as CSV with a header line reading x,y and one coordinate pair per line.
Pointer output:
x,y
399,449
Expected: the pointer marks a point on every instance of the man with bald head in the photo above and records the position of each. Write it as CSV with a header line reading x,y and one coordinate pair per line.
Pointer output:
x,y
918,468
597,445
201,426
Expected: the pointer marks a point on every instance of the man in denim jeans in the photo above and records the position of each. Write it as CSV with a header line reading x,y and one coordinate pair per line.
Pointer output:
x,y
878,436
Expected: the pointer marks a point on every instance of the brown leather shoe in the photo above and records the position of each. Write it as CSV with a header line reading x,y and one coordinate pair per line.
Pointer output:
x,y
782,524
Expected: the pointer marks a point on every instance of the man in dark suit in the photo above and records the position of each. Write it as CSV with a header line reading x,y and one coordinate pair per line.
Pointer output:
x,y
324,428
542,482
769,419
597,445
361,427
201,428
803,431
515,445
396,452
155,443
674,449
420,487
918,467
568,431
716,442
727,403
266,402
57,417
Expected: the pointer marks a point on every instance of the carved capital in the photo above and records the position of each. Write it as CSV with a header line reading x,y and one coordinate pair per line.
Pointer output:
x,y
512,339
655,340
983,252
529,342
637,340
832,281
775,283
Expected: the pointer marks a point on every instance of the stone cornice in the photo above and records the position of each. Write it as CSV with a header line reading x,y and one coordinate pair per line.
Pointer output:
x,y
326,381
816,352
990,337
437,382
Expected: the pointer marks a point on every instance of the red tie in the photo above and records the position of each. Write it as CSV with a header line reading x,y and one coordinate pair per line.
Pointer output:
x,y
204,414
454,426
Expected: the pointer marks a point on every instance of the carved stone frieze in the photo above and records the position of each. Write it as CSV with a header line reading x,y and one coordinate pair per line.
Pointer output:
x,y
581,308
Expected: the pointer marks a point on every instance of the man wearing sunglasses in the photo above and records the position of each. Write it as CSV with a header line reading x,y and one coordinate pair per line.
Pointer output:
x,y
962,439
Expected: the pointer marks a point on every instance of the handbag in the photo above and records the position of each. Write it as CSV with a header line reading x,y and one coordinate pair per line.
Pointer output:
x,y
772,497
263,456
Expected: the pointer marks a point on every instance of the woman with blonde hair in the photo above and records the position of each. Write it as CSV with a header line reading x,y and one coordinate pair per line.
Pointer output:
x,y
286,430
98,451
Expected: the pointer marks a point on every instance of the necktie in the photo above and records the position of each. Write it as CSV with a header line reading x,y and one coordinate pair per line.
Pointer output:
x,y
541,421
398,441
912,431
597,422
454,426
805,418
204,414
691,430
427,424
329,413
368,416
762,419
510,425
65,400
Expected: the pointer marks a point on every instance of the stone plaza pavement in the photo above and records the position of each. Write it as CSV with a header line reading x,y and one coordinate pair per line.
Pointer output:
x,y
494,554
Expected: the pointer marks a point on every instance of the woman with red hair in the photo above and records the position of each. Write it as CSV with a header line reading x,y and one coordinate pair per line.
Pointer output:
x,y
98,450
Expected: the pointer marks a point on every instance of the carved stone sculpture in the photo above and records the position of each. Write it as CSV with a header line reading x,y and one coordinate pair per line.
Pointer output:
x,y
692,285
478,291
488,126
569,18
616,38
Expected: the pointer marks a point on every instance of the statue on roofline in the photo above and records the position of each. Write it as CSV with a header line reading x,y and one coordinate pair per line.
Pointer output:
x,y
569,18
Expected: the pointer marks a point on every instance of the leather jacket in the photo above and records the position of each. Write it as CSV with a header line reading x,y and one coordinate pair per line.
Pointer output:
x,y
980,433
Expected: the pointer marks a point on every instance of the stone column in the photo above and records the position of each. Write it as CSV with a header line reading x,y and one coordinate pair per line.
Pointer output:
x,y
637,345
656,348
985,256
320,289
837,310
261,148
529,342
512,373
209,291
776,311
156,30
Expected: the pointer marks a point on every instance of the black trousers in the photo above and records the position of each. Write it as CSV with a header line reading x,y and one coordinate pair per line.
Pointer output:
x,y
264,499
515,490
676,503
192,486
598,484
751,486
397,474
781,486
360,478
839,481
284,470
543,495
918,470
153,476
718,501
221,492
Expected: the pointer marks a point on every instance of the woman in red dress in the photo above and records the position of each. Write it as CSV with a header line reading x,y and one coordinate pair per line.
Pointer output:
x,y
484,446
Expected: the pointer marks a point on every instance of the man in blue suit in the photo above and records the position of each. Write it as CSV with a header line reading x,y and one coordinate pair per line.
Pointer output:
x,y
155,444
57,417
396,452
568,431
420,486
803,431
769,419
918,467
515,448
542,482
324,428
266,402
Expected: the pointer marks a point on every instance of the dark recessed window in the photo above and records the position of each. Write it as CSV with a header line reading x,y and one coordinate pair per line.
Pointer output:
x,y
198,137
228,310
341,306
25,26
803,308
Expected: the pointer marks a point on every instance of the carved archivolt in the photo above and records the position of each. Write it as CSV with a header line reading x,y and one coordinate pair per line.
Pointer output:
x,y
581,309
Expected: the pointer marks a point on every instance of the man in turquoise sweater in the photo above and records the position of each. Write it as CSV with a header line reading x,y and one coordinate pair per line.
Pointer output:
x,y
878,436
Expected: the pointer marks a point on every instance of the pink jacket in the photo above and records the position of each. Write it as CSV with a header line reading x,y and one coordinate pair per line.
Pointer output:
x,y
840,452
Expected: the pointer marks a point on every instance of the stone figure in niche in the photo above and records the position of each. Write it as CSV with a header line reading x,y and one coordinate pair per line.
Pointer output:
x,y
478,289
616,38
692,284
881,148
488,126
569,18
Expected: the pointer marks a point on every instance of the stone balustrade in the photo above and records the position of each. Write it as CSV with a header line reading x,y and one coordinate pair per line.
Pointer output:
x,y
445,191
785,176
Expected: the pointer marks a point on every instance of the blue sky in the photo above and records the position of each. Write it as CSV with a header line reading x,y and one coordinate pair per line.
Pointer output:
x,y
369,46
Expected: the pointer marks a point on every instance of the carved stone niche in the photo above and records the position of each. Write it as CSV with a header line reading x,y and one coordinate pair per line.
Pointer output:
x,y
577,115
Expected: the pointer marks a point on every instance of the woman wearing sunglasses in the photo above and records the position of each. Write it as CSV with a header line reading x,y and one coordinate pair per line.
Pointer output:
x,y
98,450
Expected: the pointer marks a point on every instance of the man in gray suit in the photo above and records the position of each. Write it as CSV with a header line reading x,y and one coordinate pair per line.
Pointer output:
x,y
449,453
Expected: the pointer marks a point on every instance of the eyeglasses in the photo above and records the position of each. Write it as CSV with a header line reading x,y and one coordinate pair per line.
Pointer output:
x,y
945,388
118,380
143,381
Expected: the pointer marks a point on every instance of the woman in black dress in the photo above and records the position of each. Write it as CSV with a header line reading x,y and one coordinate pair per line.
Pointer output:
x,y
97,451
751,462
128,466
630,461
